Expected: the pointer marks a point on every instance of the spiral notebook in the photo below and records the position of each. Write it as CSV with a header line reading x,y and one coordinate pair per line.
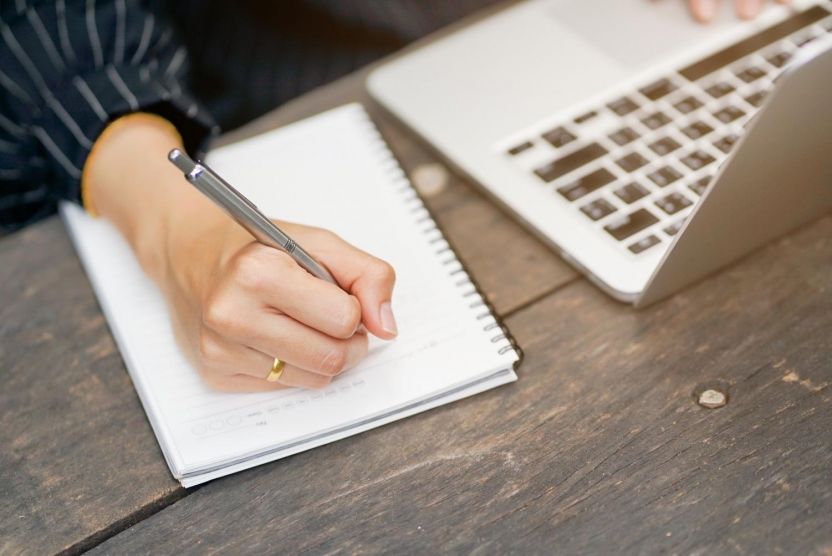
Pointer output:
x,y
334,171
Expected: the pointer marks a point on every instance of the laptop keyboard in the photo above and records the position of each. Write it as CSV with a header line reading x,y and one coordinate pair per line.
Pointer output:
x,y
637,165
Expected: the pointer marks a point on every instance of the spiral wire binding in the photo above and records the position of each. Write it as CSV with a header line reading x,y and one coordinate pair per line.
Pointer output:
x,y
504,341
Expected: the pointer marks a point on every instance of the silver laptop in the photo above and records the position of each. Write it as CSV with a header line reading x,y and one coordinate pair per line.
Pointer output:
x,y
647,149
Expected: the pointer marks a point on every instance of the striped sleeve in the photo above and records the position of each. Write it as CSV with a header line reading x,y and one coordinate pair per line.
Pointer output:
x,y
68,68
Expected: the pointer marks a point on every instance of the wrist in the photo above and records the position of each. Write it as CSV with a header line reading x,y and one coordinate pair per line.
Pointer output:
x,y
128,180
109,141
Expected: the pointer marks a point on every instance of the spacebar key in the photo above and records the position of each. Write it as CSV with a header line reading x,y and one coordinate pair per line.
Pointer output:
x,y
570,162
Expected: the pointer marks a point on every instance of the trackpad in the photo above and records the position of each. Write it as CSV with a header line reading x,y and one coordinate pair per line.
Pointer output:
x,y
638,32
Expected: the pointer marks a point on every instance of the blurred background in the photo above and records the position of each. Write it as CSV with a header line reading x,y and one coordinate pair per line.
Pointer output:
x,y
249,56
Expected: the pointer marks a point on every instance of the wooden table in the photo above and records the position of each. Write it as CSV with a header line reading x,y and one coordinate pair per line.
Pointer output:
x,y
599,448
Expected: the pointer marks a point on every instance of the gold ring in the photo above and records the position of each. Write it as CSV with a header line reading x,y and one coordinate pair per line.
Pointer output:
x,y
277,370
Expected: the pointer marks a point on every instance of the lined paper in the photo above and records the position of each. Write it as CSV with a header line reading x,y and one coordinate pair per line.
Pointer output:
x,y
332,171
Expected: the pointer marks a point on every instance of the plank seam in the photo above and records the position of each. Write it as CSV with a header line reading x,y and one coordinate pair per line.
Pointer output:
x,y
541,296
125,523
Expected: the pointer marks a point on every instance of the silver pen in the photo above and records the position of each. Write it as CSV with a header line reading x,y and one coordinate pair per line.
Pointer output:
x,y
245,213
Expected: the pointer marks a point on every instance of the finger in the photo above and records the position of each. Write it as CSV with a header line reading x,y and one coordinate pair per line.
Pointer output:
x,y
282,336
749,9
230,367
704,10
370,279
224,363
221,357
294,377
277,280
305,347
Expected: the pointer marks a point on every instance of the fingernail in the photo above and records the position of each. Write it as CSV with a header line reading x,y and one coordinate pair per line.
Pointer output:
x,y
388,321
706,9
750,8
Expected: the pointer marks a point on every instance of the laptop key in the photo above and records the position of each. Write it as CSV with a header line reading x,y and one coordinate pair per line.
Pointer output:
x,y
586,117
571,162
624,136
700,186
752,74
623,106
644,244
727,143
780,59
673,203
688,105
729,114
656,120
520,148
659,89
697,160
674,228
586,184
665,176
632,162
720,89
631,193
803,41
756,100
559,137
697,130
598,209
664,146
631,224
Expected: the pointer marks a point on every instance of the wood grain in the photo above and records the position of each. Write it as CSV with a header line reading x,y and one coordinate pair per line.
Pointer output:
x,y
599,448
78,457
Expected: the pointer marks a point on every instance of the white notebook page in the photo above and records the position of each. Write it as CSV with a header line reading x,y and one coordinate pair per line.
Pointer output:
x,y
332,171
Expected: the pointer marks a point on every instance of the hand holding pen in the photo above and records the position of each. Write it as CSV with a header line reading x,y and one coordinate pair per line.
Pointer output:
x,y
277,313
235,304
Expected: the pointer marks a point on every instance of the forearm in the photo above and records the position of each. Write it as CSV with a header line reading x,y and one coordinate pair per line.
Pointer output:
x,y
132,184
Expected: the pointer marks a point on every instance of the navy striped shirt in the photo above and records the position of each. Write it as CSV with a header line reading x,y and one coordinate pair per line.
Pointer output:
x,y
69,67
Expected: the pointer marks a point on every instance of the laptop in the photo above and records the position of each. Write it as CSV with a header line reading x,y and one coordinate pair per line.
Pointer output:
x,y
647,149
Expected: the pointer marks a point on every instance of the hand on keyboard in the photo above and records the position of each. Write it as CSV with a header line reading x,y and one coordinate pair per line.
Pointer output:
x,y
706,10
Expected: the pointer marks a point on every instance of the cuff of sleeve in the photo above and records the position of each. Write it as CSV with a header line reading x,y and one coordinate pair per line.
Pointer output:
x,y
77,114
